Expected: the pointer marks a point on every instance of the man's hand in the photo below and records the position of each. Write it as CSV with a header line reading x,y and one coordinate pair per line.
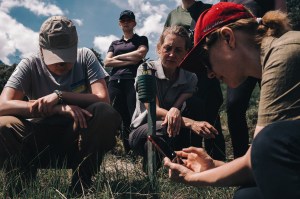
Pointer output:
x,y
78,114
173,122
204,129
44,105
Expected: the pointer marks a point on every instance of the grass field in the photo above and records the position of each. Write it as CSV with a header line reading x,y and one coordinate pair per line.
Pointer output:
x,y
121,176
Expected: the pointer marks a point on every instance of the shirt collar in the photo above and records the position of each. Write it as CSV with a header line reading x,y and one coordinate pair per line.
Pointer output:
x,y
161,75
134,35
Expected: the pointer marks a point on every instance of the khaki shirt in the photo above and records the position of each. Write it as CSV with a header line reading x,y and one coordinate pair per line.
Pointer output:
x,y
280,85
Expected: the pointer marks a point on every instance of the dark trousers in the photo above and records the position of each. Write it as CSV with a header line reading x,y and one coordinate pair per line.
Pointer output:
x,y
53,142
138,139
197,110
123,98
236,106
275,159
204,106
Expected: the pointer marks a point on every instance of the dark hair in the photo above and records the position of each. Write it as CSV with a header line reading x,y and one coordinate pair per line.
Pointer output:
x,y
178,31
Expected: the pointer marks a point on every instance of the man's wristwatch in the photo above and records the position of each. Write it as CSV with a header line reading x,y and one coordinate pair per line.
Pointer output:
x,y
59,95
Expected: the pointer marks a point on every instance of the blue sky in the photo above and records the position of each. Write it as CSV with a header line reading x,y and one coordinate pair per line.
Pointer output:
x,y
96,22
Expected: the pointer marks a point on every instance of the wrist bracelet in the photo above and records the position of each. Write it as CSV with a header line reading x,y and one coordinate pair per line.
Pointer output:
x,y
59,95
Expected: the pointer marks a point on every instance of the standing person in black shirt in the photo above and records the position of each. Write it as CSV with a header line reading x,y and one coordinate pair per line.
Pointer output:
x,y
124,56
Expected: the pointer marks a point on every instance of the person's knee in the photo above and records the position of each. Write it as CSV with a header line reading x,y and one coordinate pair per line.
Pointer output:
x,y
10,142
138,139
132,140
274,153
104,124
262,142
7,121
105,113
247,193
6,124
267,144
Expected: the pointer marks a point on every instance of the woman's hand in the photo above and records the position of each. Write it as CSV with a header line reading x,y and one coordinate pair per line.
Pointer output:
x,y
177,172
78,114
204,129
173,122
196,159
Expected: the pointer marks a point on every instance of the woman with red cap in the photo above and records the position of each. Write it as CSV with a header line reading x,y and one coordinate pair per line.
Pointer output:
x,y
232,44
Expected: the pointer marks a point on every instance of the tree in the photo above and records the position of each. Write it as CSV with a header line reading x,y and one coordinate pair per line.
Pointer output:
x,y
5,72
98,55
293,7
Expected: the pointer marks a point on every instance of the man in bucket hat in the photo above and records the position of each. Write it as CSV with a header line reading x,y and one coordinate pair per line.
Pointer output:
x,y
67,120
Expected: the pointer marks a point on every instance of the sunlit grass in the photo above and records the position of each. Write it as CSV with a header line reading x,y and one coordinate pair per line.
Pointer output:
x,y
122,176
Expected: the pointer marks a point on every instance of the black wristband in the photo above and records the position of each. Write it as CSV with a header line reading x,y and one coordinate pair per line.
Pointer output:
x,y
59,95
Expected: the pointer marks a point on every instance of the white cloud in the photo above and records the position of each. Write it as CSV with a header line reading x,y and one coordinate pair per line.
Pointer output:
x,y
78,22
35,6
152,27
120,3
150,16
102,43
14,36
17,38
6,48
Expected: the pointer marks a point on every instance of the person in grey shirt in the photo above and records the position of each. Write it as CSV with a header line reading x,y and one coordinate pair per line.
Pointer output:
x,y
174,86
65,119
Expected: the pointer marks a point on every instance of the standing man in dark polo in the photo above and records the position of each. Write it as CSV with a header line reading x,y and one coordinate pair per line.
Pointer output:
x,y
124,56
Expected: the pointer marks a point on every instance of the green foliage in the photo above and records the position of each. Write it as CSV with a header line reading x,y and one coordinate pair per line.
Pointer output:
x,y
98,55
5,72
100,59
293,7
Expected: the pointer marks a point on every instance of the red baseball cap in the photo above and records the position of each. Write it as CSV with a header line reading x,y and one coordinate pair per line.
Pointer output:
x,y
217,16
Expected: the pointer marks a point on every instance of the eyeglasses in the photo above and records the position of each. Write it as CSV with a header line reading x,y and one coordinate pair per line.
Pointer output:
x,y
209,41
126,20
205,59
